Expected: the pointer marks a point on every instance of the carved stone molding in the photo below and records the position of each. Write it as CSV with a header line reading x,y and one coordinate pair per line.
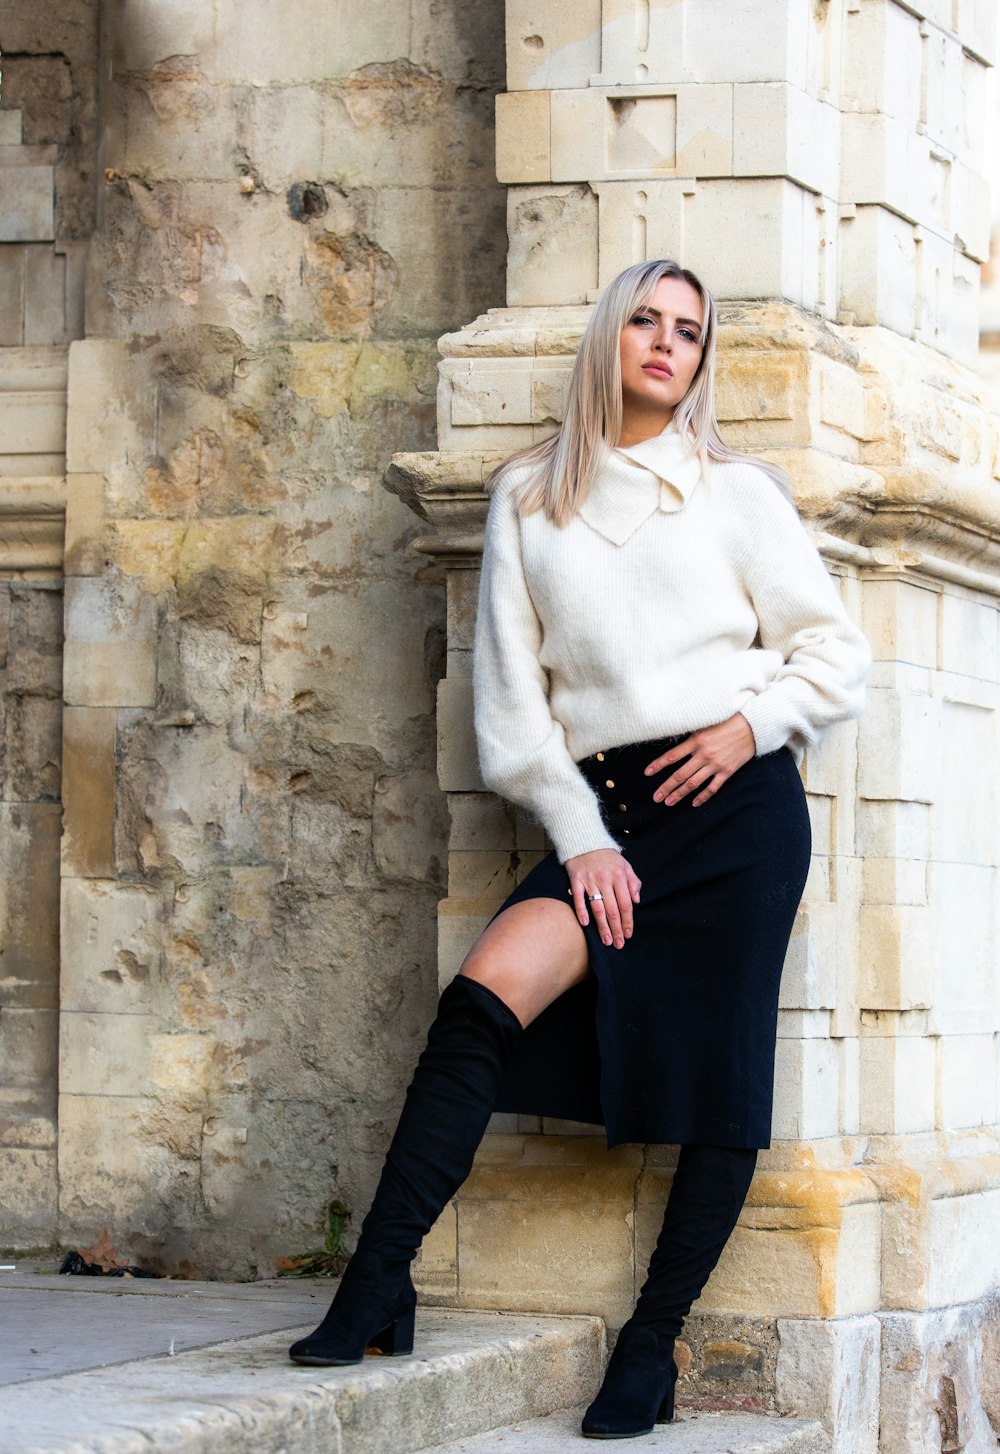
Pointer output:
x,y
32,529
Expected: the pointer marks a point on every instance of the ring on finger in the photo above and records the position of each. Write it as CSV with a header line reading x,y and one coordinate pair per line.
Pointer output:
x,y
596,898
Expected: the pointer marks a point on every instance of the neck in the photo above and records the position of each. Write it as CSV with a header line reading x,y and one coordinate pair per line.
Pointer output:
x,y
639,425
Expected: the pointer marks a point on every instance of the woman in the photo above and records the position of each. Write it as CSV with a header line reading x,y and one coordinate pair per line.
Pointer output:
x,y
657,641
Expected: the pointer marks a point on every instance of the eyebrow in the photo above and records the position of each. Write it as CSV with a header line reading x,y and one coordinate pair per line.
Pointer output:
x,y
693,321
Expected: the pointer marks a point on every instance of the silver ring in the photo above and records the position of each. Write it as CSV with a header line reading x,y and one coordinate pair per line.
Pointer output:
x,y
596,898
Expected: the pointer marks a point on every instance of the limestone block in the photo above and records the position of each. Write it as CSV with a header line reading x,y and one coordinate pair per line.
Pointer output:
x,y
900,620
248,48
10,127
966,1081
523,149
483,874
11,293
110,654
28,1039
727,44
890,829
112,948
555,1234
435,1270
971,211
463,593
45,320
33,748
878,270
964,1258
123,1162
963,906
32,426
552,256
806,1089
110,419
780,131
552,46
830,1371
86,525
809,978
104,1054
882,53
897,960
89,791
897,758
28,1208
458,762
897,1084
782,232
459,926
842,402
154,34
480,821
427,299
489,391
27,211
932,1380
29,900
970,635
317,636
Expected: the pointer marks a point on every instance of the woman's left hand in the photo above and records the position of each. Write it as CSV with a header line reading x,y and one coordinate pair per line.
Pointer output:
x,y
711,756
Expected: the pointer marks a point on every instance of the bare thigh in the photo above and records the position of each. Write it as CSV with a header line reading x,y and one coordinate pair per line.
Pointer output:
x,y
529,955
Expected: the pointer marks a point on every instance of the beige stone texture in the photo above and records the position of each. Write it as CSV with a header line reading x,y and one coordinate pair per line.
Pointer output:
x,y
88,745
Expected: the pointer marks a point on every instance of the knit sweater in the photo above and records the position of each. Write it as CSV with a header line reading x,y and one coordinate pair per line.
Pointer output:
x,y
672,599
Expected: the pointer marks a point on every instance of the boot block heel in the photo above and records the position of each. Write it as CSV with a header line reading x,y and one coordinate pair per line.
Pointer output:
x,y
396,1340
666,1410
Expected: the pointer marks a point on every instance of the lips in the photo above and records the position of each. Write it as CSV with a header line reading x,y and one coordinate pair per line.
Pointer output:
x,y
660,370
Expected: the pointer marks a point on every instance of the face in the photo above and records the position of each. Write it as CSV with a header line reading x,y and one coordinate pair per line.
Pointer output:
x,y
660,352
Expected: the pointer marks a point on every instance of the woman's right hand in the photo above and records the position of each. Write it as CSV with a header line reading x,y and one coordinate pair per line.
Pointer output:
x,y
610,877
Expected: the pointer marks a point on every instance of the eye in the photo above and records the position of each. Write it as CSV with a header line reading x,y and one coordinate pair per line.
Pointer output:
x,y
689,334
641,318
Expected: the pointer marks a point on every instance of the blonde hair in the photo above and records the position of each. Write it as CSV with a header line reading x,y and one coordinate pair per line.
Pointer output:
x,y
565,465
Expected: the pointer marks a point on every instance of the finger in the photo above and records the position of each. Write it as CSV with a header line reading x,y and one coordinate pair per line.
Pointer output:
x,y
676,779
613,916
674,754
623,902
579,901
689,785
600,914
634,883
712,788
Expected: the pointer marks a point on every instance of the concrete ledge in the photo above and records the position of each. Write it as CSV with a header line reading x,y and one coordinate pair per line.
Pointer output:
x,y
700,1433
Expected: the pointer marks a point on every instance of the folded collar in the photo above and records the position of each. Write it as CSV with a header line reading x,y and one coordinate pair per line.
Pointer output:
x,y
658,474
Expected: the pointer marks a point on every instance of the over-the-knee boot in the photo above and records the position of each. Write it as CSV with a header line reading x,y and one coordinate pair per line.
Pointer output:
x,y
709,1189
444,1116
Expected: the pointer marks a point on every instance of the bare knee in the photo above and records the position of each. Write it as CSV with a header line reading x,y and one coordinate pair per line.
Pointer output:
x,y
529,955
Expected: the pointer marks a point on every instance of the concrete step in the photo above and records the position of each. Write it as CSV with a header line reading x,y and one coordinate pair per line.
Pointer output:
x,y
694,1433
97,1366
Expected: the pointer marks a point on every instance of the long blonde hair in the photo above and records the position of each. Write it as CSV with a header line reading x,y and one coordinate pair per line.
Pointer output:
x,y
565,465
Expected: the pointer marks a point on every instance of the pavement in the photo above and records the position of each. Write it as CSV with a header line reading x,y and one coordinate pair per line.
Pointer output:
x,y
118,1366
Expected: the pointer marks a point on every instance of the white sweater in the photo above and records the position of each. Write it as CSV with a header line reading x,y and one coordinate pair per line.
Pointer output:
x,y
669,602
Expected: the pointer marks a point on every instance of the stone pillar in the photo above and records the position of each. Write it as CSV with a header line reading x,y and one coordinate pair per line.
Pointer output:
x,y
819,164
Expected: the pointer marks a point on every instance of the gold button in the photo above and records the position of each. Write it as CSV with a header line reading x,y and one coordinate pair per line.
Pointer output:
x,y
623,807
608,783
625,831
600,757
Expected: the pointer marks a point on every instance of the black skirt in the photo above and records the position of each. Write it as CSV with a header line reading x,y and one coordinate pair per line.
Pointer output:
x,y
672,1038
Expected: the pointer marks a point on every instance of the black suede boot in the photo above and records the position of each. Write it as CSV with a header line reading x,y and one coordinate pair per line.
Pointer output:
x,y
709,1189
445,1114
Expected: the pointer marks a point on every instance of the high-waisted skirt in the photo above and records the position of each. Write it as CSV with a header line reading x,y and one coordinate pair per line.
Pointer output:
x,y
672,1038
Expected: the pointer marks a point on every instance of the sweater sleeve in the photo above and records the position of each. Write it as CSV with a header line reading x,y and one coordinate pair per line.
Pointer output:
x,y
522,748
801,616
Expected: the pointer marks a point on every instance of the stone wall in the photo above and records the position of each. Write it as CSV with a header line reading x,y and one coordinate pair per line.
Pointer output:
x,y
254,836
